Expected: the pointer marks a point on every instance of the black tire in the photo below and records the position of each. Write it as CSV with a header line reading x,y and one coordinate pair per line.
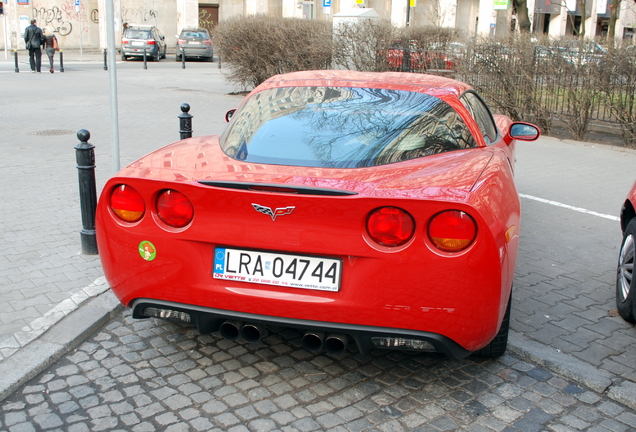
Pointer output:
x,y
157,57
497,347
625,285
177,58
124,58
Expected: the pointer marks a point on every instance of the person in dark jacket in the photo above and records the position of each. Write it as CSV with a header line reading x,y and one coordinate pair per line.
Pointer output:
x,y
33,38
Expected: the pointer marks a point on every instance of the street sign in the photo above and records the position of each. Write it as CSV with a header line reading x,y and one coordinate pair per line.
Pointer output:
x,y
326,3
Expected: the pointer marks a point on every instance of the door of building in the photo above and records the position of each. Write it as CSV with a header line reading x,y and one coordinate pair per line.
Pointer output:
x,y
208,15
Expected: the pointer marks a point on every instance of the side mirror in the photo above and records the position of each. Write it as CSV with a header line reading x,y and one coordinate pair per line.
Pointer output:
x,y
524,131
229,114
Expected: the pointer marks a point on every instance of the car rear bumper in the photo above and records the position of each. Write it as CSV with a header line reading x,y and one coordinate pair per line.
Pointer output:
x,y
196,52
139,52
330,336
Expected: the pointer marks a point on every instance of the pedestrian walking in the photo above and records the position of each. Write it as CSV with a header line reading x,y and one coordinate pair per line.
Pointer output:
x,y
50,46
33,38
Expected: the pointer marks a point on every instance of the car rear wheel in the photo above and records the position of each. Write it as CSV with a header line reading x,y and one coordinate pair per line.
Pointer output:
x,y
124,58
625,285
497,347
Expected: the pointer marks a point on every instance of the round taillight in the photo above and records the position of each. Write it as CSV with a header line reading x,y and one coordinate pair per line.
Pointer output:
x,y
127,203
390,226
174,208
452,230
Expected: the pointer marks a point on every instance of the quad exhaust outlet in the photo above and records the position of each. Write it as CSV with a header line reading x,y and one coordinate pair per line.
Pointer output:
x,y
312,341
334,344
250,332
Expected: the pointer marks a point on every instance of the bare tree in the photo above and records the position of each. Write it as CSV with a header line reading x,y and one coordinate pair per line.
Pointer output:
x,y
363,45
258,47
521,7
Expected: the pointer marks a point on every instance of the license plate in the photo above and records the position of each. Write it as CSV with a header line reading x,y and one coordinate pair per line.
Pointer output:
x,y
194,43
268,268
137,43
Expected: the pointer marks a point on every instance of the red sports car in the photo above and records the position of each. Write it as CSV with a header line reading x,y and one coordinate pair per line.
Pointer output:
x,y
378,208
625,285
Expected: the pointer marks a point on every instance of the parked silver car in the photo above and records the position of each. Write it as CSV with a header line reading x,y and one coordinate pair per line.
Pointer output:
x,y
194,43
138,38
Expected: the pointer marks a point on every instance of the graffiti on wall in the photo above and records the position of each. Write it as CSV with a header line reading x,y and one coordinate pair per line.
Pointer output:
x,y
139,16
60,18
53,18
206,20
71,11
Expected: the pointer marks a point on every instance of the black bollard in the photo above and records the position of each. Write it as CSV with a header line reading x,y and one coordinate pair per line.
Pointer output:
x,y
219,62
406,61
61,61
15,54
182,58
185,122
145,64
85,156
105,60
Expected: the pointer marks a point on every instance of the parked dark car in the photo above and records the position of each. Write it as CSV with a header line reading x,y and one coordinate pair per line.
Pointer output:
x,y
136,39
194,43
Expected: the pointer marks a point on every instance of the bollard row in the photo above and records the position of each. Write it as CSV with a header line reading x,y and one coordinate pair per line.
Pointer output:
x,y
17,69
85,158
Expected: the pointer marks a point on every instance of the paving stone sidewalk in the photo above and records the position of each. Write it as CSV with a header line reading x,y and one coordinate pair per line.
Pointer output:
x,y
151,375
54,296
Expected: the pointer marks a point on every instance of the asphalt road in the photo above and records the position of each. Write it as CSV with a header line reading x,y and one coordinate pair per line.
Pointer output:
x,y
571,363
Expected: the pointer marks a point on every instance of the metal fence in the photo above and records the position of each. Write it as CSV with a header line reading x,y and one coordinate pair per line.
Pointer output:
x,y
544,84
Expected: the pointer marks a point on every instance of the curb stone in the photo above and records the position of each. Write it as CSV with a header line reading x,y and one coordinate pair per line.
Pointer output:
x,y
572,368
56,342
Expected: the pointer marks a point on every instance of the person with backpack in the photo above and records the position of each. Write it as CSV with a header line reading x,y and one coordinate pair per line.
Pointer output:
x,y
34,38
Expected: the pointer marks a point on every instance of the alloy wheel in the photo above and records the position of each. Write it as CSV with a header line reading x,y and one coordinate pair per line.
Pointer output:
x,y
626,267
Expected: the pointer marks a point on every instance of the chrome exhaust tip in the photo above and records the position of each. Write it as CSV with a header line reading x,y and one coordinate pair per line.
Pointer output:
x,y
336,344
312,341
230,330
252,332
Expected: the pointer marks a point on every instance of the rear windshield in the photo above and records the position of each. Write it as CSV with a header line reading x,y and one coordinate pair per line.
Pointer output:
x,y
341,127
138,34
194,34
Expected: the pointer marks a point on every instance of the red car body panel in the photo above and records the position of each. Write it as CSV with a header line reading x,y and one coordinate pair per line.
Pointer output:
x,y
416,287
628,211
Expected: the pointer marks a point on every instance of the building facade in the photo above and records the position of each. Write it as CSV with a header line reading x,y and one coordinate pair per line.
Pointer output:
x,y
81,23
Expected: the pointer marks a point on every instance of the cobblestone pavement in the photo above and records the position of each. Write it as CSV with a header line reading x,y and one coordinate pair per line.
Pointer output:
x,y
563,322
149,375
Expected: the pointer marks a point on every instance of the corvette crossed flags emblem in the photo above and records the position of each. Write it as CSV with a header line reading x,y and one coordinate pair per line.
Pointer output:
x,y
273,213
